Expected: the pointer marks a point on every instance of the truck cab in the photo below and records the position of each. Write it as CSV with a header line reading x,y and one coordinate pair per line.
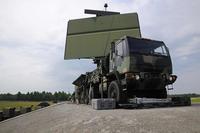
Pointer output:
x,y
144,67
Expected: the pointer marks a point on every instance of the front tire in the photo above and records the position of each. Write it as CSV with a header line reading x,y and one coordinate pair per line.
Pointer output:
x,y
115,91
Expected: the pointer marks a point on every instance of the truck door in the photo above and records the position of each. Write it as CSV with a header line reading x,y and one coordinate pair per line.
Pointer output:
x,y
118,56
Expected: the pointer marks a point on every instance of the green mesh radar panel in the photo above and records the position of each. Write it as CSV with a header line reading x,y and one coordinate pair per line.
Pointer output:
x,y
92,37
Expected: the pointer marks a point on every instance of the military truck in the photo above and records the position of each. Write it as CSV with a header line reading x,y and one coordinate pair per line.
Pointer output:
x,y
128,66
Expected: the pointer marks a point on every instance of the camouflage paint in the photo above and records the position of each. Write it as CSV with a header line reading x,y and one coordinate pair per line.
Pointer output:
x,y
125,65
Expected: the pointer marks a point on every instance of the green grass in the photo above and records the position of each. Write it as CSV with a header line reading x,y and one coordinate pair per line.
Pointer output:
x,y
17,104
195,99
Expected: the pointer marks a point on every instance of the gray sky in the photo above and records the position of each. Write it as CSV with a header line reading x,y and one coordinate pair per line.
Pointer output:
x,y
32,39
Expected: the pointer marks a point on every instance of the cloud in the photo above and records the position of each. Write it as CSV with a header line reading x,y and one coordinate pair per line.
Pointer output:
x,y
32,38
188,80
32,68
192,46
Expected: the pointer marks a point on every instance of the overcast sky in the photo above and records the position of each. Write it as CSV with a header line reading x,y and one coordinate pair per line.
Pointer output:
x,y
32,40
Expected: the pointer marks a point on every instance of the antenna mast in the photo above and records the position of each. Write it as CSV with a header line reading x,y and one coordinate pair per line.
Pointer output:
x,y
105,6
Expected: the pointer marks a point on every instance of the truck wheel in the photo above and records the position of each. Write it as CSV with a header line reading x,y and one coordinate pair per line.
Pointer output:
x,y
93,94
114,91
87,97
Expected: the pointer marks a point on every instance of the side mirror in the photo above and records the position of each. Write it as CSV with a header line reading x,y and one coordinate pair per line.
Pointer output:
x,y
117,54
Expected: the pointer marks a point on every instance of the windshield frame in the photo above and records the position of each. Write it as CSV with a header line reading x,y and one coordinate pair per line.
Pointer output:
x,y
152,46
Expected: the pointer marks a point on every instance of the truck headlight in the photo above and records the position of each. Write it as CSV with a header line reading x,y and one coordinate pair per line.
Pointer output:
x,y
172,78
137,77
132,76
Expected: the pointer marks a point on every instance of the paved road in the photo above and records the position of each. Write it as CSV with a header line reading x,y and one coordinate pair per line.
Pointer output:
x,y
71,118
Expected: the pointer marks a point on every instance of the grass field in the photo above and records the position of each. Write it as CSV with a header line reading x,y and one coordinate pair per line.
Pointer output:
x,y
17,104
195,99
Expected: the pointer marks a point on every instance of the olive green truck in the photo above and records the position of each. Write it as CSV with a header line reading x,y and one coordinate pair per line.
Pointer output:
x,y
130,69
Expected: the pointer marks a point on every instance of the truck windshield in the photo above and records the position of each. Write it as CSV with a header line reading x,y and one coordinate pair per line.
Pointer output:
x,y
147,47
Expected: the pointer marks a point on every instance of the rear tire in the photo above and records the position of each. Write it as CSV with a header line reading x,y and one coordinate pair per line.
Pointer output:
x,y
93,93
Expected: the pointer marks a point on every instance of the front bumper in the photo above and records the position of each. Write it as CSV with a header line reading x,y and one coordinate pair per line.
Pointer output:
x,y
148,81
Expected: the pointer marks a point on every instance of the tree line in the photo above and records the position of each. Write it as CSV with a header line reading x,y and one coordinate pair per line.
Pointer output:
x,y
57,96
36,96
